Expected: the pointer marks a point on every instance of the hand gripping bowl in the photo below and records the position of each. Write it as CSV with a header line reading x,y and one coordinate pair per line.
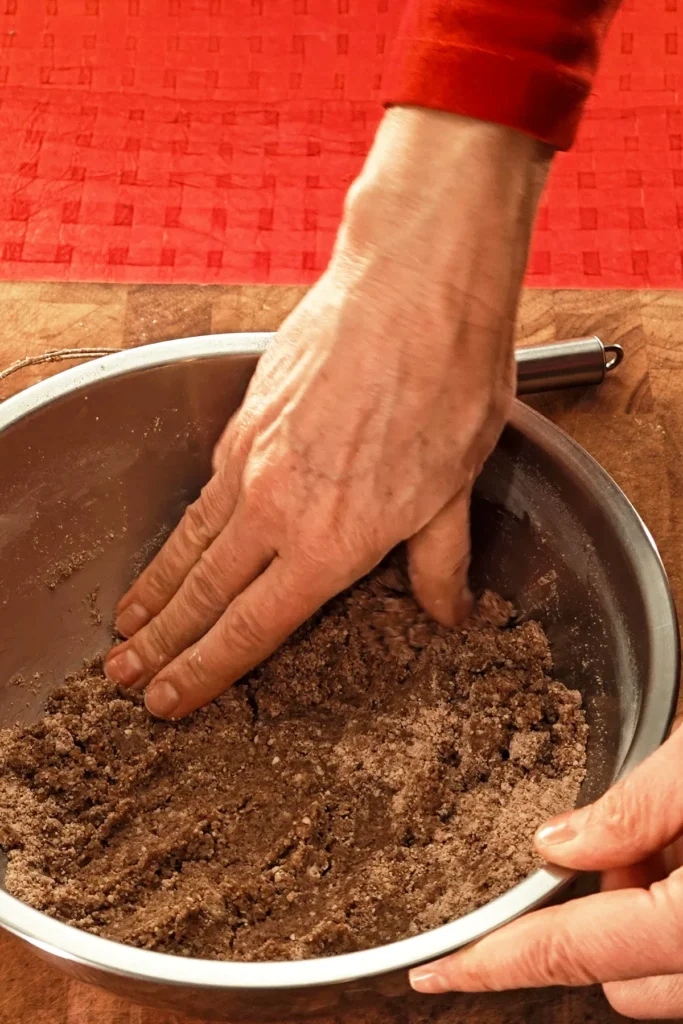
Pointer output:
x,y
97,463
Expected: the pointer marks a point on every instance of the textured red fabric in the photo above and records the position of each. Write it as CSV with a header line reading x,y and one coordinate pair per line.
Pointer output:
x,y
528,64
213,141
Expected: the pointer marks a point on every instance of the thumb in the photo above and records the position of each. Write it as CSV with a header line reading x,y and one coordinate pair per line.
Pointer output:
x,y
634,819
612,936
438,561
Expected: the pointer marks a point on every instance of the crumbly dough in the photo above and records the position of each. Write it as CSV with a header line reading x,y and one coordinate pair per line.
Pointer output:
x,y
377,777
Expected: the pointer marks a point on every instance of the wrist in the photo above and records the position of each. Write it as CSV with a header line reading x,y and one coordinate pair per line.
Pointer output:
x,y
436,186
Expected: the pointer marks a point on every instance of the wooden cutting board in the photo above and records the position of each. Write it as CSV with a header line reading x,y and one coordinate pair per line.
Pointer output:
x,y
633,425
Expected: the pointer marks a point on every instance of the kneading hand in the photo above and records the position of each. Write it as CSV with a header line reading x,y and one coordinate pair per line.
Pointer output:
x,y
366,421
629,937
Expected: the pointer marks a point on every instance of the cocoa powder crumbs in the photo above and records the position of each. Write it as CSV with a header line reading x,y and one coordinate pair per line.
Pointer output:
x,y
377,777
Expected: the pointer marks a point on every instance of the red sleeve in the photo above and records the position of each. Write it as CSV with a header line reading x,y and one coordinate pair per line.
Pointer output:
x,y
528,64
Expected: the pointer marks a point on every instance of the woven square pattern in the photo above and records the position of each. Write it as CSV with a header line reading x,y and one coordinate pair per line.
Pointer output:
x,y
214,140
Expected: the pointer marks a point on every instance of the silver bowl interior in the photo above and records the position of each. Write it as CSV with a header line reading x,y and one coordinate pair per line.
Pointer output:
x,y
96,466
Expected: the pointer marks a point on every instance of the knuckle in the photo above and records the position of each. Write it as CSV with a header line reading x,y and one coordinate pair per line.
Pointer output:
x,y
622,811
196,670
325,569
555,961
428,566
195,522
260,490
157,582
237,437
315,554
206,585
246,631
232,442
475,976
325,548
157,648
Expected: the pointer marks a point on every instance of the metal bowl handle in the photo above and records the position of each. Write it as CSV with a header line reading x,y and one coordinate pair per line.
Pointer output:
x,y
565,364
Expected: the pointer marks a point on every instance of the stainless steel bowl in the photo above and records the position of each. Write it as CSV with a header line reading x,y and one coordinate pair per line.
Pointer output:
x,y
96,465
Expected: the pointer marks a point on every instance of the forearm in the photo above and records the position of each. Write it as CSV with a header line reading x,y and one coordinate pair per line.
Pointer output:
x,y
527,64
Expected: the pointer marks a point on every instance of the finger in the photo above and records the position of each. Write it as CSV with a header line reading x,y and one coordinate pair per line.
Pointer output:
x,y
438,561
635,876
224,570
200,525
235,441
254,625
647,998
612,936
635,818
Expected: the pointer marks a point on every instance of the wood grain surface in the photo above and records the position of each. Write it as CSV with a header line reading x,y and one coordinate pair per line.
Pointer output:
x,y
633,425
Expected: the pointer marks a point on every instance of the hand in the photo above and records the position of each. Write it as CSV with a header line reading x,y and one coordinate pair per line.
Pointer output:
x,y
630,936
365,423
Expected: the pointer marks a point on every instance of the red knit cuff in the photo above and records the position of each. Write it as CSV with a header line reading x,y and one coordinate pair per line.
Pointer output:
x,y
505,89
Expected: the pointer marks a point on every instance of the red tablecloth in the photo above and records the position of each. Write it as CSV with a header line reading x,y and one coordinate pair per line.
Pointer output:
x,y
213,141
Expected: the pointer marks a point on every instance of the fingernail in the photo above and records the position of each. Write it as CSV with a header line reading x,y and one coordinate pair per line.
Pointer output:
x,y
557,831
162,699
131,619
429,981
124,668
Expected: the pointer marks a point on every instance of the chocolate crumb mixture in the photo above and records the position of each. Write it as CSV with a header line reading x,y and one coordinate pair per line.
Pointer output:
x,y
377,777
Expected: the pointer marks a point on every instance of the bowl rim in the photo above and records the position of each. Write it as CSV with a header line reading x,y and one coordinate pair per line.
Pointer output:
x,y
67,942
